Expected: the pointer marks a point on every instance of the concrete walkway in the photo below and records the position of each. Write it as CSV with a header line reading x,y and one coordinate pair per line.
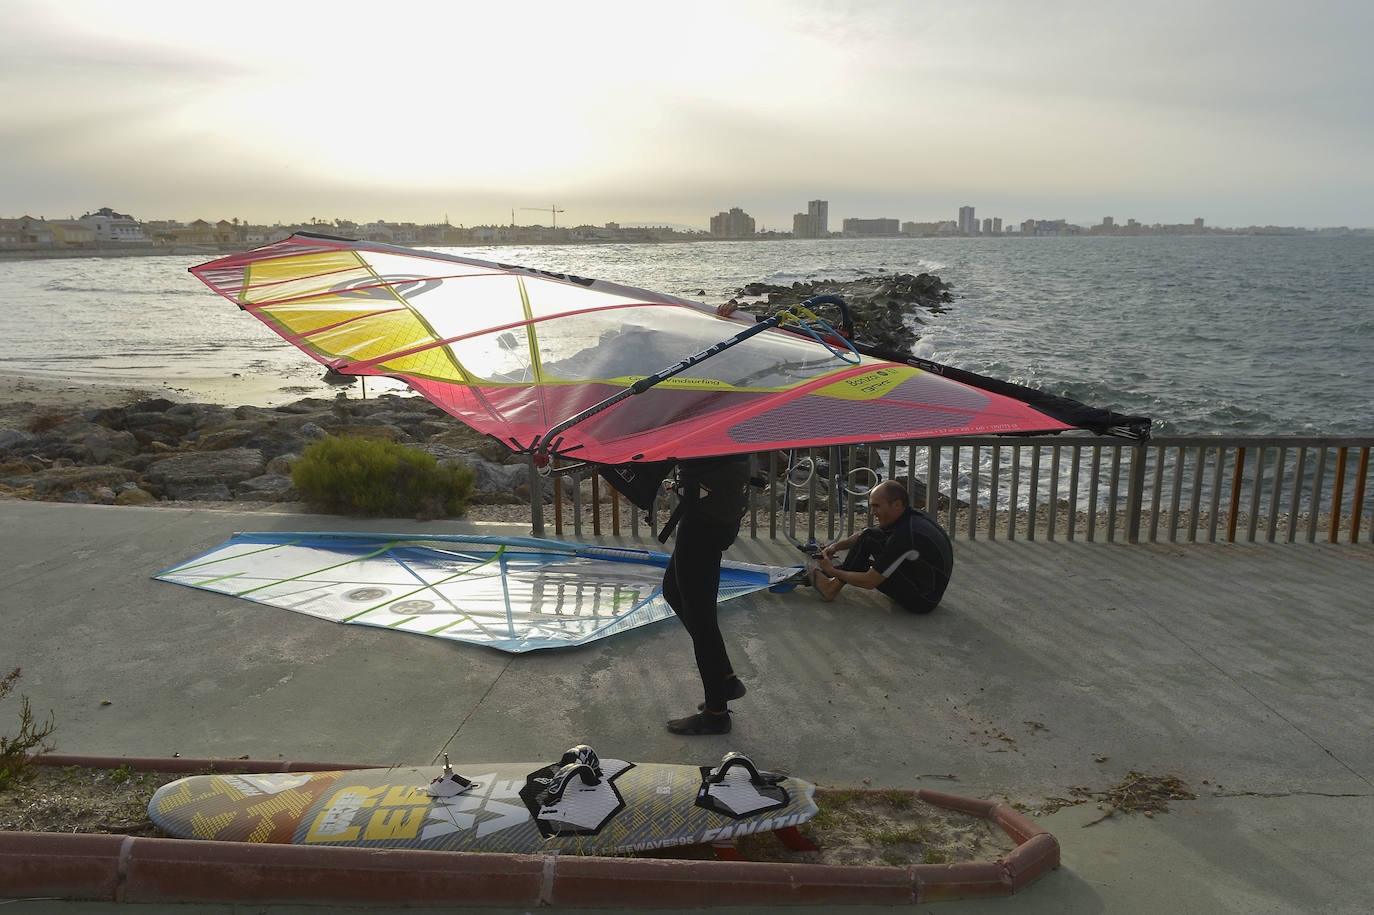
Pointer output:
x,y
1246,671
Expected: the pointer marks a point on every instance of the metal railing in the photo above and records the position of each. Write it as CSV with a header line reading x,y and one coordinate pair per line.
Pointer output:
x,y
1171,489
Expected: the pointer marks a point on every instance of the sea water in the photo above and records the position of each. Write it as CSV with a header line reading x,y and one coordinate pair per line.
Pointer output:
x,y
1206,334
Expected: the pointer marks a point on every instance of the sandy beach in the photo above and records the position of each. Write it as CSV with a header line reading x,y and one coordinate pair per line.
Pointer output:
x,y
21,393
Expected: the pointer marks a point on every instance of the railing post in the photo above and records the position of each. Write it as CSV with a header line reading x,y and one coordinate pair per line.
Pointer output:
x,y
1135,493
536,500
1357,508
557,501
1337,496
933,480
1233,512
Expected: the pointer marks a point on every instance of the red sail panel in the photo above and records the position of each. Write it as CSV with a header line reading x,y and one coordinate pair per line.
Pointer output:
x,y
515,352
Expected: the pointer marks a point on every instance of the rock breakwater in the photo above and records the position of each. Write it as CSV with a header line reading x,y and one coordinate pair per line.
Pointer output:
x,y
886,307
157,450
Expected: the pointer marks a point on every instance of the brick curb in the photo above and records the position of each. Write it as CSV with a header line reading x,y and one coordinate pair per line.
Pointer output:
x,y
142,870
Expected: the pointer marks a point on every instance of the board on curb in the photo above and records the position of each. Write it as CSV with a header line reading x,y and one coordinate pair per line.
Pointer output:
x,y
580,804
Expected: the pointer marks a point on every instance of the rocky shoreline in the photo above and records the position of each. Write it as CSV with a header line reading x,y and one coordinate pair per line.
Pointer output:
x,y
152,449
883,307
157,450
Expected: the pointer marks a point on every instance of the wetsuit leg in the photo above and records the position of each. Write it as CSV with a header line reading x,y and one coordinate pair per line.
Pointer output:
x,y
861,555
691,584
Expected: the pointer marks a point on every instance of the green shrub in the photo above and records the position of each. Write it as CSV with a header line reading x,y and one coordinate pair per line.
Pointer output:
x,y
15,764
376,478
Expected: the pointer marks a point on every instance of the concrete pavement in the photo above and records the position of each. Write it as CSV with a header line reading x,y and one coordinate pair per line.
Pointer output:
x,y
1245,670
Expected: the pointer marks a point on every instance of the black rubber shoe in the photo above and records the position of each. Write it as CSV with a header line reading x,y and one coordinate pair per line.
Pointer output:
x,y
699,724
737,691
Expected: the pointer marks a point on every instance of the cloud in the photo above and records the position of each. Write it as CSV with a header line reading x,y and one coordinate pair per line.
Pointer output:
x,y
628,106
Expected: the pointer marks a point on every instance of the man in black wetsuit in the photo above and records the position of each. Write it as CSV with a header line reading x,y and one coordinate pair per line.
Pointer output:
x,y
713,498
907,556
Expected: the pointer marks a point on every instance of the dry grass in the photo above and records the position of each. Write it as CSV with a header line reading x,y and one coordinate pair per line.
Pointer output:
x,y
113,801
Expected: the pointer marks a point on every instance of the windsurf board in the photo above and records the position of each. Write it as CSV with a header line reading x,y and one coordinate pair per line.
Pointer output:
x,y
581,804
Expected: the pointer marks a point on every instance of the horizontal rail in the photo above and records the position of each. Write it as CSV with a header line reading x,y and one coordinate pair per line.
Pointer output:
x,y
1187,488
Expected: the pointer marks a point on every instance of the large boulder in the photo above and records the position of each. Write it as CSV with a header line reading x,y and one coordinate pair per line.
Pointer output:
x,y
311,431
224,439
465,438
83,442
270,487
205,474
153,426
15,440
134,496
498,477
58,480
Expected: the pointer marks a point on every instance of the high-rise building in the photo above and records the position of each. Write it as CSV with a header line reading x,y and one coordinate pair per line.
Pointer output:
x,y
968,223
734,224
818,217
815,222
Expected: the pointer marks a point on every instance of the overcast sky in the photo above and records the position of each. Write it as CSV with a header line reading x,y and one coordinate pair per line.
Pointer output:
x,y
1239,111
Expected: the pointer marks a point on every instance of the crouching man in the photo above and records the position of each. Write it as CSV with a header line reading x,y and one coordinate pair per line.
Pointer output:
x,y
907,556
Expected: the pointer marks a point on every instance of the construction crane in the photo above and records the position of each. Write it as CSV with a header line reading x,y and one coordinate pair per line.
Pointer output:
x,y
553,212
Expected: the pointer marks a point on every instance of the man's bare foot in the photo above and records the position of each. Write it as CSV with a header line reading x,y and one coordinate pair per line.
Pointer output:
x,y
825,586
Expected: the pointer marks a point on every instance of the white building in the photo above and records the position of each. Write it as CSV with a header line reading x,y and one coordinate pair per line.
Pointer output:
x,y
116,228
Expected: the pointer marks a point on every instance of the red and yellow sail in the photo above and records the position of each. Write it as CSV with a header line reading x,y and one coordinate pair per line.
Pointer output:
x,y
514,352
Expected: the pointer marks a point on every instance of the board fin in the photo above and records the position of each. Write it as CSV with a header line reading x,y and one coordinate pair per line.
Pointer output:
x,y
448,784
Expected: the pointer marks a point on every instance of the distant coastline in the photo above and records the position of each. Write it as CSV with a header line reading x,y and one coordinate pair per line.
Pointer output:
x,y
210,251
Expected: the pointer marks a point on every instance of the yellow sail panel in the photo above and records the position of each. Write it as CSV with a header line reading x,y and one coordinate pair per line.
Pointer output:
x,y
434,363
690,383
373,337
308,274
296,318
869,385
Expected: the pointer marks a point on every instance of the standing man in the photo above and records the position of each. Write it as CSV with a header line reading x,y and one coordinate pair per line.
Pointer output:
x,y
713,494
907,556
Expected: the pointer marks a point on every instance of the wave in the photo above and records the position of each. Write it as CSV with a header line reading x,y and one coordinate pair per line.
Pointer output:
x,y
57,286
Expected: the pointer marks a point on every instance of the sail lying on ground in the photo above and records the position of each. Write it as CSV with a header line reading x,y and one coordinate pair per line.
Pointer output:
x,y
515,594
515,352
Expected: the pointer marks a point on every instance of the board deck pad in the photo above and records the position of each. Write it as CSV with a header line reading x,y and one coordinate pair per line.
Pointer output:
x,y
508,808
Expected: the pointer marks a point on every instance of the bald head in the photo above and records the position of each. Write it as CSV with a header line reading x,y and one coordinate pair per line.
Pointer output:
x,y
891,491
888,502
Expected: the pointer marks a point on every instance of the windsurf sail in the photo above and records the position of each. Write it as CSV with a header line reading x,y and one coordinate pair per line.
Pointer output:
x,y
1065,409
519,353
513,594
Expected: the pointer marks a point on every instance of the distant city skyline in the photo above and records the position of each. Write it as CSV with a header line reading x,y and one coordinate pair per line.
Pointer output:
x,y
107,230
812,224
1244,112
